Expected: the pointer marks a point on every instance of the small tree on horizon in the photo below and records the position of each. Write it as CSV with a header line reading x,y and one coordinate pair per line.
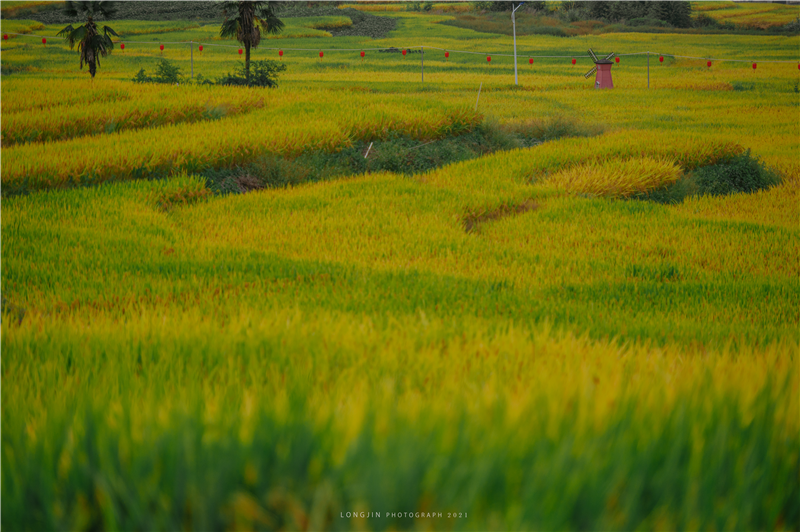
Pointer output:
x,y
244,21
91,44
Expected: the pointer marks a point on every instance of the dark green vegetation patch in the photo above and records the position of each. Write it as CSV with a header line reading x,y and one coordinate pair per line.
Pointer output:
x,y
742,173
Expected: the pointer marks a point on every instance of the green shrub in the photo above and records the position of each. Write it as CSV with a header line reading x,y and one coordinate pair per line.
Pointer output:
x,y
419,6
743,173
166,72
141,77
263,73
792,27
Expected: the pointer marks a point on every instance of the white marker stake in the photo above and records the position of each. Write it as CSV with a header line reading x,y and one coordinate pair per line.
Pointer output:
x,y
479,96
370,147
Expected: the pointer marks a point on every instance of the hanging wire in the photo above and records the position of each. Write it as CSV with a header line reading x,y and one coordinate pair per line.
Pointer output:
x,y
452,51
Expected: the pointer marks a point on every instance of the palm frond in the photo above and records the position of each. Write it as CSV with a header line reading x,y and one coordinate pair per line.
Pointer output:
x,y
66,31
267,12
79,33
229,28
73,35
107,30
272,24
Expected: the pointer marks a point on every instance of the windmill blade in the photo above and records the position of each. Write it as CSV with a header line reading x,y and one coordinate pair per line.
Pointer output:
x,y
609,56
594,57
592,71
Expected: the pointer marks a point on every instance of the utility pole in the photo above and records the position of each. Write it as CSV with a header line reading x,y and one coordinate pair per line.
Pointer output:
x,y
514,25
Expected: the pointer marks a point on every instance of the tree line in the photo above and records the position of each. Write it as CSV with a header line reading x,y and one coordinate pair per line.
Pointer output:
x,y
674,13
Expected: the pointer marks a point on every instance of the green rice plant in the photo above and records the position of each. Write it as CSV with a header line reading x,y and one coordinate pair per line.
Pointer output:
x,y
500,335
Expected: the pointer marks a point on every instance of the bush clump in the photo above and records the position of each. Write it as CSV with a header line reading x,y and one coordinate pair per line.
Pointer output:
x,y
743,173
263,73
166,72
740,173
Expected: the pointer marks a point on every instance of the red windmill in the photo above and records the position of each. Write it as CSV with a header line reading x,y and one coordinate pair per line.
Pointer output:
x,y
603,69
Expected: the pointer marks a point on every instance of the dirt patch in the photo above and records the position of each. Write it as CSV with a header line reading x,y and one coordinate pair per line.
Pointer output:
x,y
473,221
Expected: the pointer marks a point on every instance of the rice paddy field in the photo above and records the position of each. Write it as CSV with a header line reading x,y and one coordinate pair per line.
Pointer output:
x,y
521,340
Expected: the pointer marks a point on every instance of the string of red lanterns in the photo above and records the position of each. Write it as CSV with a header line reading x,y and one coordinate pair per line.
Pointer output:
x,y
362,53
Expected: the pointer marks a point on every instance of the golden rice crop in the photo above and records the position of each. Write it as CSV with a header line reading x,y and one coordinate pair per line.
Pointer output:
x,y
618,178
16,94
755,15
324,23
189,147
123,109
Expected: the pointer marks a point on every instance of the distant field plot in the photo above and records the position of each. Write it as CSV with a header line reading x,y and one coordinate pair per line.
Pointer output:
x,y
525,307
750,14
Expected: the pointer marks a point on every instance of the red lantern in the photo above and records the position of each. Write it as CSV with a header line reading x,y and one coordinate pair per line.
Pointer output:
x,y
798,66
122,46
44,41
488,58
754,66
362,54
617,59
5,36
708,64
201,47
280,53
446,55
573,61
661,59
240,51
404,52
530,60
161,47
320,54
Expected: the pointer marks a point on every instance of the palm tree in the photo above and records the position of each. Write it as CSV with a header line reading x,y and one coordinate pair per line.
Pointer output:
x,y
91,44
245,25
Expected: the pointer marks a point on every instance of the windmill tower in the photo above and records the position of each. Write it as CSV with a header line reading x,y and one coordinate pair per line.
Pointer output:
x,y
603,69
